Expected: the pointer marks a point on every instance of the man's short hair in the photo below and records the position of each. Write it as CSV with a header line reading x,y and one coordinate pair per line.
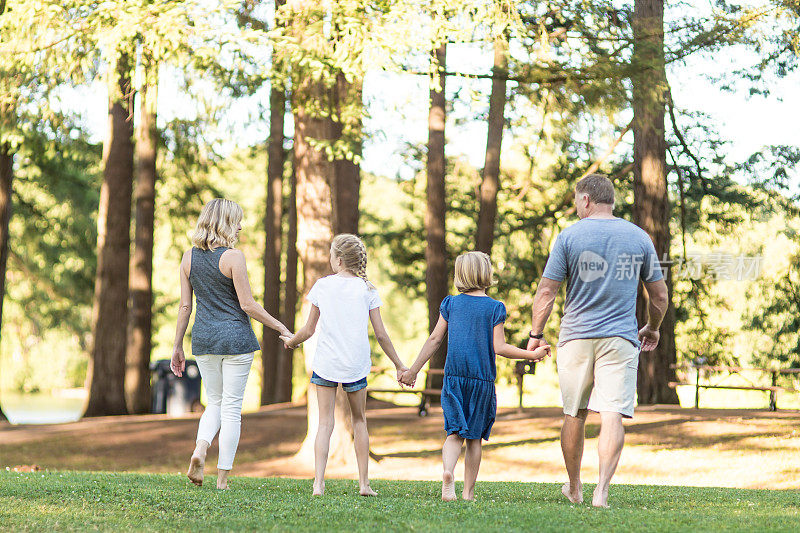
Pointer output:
x,y
598,187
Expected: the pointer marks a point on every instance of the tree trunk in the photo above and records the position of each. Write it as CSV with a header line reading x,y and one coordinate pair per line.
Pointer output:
x,y
110,310
315,174
436,283
345,192
6,179
270,344
651,209
490,182
137,377
283,389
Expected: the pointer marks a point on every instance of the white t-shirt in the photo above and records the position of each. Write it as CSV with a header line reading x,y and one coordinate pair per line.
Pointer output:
x,y
343,353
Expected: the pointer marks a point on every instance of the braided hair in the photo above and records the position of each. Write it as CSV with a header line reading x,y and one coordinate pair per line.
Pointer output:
x,y
351,250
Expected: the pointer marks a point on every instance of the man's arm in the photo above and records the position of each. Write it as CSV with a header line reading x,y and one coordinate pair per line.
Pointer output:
x,y
658,300
542,307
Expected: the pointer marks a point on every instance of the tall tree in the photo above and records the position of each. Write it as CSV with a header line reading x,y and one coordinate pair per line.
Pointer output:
x,y
106,372
651,209
347,128
137,377
436,283
490,178
285,371
6,179
270,344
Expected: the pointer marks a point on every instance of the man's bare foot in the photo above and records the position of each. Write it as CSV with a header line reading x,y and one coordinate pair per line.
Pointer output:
x,y
448,487
574,496
319,489
600,498
367,491
195,473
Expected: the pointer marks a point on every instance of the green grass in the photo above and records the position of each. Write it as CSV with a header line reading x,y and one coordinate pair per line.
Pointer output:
x,y
106,501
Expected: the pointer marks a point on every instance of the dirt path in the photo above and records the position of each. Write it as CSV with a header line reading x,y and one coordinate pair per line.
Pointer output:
x,y
730,448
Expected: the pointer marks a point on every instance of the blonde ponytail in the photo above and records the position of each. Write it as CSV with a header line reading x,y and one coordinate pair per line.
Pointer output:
x,y
351,250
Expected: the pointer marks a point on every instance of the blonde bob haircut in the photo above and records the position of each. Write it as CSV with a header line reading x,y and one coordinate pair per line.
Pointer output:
x,y
473,271
217,225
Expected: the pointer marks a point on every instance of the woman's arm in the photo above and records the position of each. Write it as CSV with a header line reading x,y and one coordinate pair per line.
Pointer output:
x,y
427,351
235,263
304,333
178,363
384,341
501,347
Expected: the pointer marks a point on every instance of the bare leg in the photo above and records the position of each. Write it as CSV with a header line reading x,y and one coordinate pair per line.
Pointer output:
x,y
198,462
358,413
609,448
450,452
472,462
222,479
572,437
326,399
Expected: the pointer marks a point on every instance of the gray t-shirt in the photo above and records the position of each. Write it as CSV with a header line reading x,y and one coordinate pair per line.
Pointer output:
x,y
603,261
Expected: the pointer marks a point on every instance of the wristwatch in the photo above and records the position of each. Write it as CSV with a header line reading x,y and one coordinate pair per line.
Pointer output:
x,y
538,336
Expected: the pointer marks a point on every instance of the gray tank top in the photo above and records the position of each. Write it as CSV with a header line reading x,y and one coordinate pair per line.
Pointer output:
x,y
220,326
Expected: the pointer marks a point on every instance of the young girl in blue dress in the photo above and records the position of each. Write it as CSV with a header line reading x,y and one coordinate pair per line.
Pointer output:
x,y
473,323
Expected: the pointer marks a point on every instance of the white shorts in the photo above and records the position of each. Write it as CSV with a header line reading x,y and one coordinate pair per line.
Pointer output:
x,y
598,374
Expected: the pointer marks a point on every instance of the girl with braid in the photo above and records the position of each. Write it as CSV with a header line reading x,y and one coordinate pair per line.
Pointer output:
x,y
343,304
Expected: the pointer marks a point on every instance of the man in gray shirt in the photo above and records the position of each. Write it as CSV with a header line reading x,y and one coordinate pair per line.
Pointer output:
x,y
602,257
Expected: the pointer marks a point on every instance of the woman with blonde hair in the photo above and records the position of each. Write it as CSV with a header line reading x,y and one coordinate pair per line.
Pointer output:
x,y
223,341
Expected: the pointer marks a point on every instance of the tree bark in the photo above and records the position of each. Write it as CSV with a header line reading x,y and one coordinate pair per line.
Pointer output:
x,y
346,188
651,209
436,283
283,389
6,181
270,344
490,182
315,174
106,373
137,377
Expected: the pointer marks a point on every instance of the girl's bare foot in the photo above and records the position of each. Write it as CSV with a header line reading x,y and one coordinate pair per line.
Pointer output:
x,y
366,490
448,487
319,489
574,496
195,473
600,497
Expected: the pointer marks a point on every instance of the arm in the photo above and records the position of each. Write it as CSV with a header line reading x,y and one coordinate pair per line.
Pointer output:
x,y
658,301
304,333
542,307
238,269
178,363
434,341
384,341
501,347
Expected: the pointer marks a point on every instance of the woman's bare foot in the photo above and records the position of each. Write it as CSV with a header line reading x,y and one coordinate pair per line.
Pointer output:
x,y
366,490
448,487
222,479
574,496
195,473
319,489
468,496
600,497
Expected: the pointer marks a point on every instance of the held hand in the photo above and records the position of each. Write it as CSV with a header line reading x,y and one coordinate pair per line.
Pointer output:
x,y
541,352
649,338
178,362
408,378
402,369
285,340
535,343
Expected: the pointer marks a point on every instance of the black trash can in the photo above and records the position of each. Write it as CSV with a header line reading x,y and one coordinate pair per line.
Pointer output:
x,y
175,395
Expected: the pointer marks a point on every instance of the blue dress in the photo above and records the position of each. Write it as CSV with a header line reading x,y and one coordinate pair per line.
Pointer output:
x,y
469,401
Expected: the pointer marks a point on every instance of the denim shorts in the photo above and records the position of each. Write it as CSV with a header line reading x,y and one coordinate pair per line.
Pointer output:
x,y
348,387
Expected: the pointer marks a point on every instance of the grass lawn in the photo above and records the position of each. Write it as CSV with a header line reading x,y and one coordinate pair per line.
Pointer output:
x,y
113,501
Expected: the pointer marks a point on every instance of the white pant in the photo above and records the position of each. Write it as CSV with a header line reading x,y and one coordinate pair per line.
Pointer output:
x,y
224,378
